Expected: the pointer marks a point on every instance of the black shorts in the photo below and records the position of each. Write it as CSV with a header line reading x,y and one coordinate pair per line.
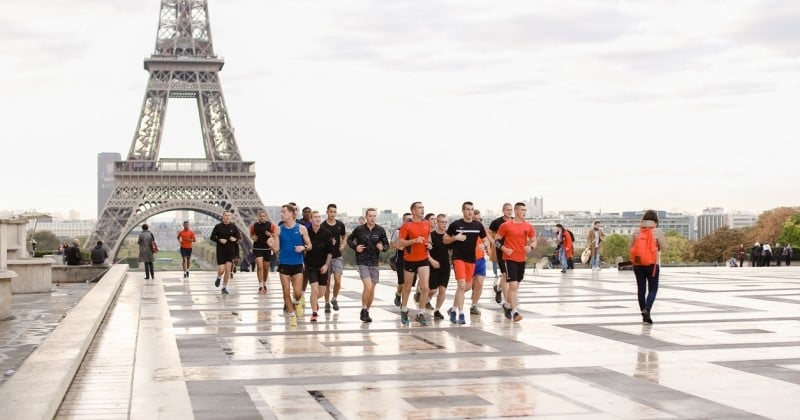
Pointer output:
x,y
314,276
262,253
412,267
225,256
516,270
440,277
290,269
186,252
401,272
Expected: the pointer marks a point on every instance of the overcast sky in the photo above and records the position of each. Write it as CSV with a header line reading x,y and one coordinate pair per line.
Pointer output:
x,y
595,105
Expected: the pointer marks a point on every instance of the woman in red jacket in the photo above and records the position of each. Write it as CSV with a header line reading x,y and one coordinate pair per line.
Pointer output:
x,y
564,246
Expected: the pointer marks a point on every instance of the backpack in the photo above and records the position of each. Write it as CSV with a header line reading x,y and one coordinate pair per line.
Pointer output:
x,y
644,250
571,235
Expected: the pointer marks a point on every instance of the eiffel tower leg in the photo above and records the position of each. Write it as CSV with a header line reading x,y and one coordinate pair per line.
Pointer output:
x,y
139,196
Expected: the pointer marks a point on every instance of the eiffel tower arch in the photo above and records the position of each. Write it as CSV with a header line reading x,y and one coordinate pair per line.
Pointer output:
x,y
183,66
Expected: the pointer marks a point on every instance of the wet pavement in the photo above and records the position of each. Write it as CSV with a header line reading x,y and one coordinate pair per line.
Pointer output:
x,y
725,344
33,317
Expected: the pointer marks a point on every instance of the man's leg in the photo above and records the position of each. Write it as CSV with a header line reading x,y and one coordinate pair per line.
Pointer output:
x,y
260,272
424,275
408,279
477,290
227,275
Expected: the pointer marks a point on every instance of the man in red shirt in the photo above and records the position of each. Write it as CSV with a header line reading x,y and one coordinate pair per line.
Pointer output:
x,y
186,238
515,239
415,240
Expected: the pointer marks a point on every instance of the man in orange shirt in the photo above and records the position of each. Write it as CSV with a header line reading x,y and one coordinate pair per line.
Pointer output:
x,y
515,239
186,238
415,240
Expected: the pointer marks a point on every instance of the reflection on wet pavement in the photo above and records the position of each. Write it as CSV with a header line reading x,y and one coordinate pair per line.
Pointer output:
x,y
724,345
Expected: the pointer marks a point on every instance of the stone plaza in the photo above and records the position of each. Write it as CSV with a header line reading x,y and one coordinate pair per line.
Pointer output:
x,y
725,343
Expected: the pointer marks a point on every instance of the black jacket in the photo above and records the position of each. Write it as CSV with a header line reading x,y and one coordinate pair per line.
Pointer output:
x,y
72,255
99,255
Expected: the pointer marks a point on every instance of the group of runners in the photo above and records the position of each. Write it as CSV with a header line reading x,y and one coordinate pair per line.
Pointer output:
x,y
310,253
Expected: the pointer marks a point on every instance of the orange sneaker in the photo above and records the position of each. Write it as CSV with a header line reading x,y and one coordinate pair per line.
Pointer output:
x,y
517,317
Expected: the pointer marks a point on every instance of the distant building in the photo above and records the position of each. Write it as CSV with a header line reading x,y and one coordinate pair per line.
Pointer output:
x,y
64,229
535,207
740,219
712,219
105,178
624,223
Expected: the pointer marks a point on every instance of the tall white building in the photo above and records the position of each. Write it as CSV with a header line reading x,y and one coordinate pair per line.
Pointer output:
x,y
712,219
535,207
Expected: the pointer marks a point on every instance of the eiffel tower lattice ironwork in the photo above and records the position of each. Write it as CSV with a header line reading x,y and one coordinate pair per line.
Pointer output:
x,y
182,66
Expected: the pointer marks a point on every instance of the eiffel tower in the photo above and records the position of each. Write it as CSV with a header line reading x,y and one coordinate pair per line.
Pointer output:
x,y
183,66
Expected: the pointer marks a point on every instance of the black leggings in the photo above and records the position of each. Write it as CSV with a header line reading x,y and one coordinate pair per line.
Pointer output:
x,y
148,270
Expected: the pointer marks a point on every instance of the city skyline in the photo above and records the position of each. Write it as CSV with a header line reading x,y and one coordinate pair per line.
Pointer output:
x,y
597,106
70,214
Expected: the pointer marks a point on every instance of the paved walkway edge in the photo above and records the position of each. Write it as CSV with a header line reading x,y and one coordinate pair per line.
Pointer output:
x,y
39,385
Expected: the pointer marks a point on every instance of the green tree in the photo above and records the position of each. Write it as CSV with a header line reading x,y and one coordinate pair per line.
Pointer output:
x,y
678,248
616,245
46,240
790,232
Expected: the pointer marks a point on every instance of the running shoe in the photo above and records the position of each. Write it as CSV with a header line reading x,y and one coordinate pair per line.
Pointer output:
x,y
517,317
335,304
421,319
217,281
452,314
474,311
507,312
461,319
404,318
498,294
314,317
437,315
298,308
397,299
293,321
327,307
225,291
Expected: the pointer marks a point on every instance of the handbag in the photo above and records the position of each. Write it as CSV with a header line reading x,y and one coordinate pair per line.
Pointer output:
x,y
153,244
585,255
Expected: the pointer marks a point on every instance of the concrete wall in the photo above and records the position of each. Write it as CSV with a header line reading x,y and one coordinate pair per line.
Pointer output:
x,y
76,273
5,293
34,275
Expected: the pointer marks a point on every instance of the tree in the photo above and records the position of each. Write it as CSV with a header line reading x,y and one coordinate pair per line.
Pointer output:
x,y
678,248
790,233
718,246
46,240
770,225
616,245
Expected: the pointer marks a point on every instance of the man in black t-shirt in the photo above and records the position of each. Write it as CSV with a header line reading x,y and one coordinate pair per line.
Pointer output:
x,y
338,237
227,237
